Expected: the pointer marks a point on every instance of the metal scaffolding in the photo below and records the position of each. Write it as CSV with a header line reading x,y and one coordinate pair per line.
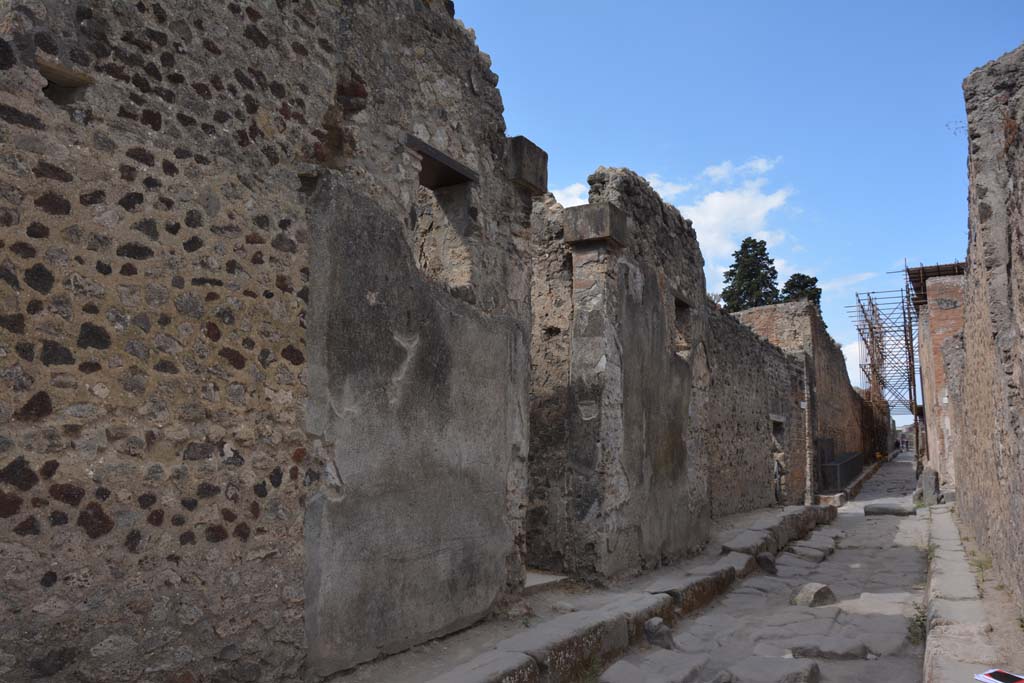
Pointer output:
x,y
887,324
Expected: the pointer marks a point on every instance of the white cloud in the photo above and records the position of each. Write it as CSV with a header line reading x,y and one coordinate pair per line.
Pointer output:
x,y
573,195
845,281
668,190
727,170
724,216
852,353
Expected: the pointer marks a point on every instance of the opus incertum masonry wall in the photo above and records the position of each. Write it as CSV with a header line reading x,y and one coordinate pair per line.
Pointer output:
x,y
265,317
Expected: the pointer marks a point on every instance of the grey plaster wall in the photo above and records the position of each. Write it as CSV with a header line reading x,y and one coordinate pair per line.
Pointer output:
x,y
420,399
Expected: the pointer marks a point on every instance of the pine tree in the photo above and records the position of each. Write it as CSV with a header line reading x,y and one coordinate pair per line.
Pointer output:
x,y
752,280
800,286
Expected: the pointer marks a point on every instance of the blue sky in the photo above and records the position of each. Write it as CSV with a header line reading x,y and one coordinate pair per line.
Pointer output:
x,y
833,129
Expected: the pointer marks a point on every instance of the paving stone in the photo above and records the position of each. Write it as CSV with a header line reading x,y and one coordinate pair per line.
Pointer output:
x,y
775,670
656,667
825,544
623,671
806,553
942,611
494,667
830,647
813,595
960,643
751,543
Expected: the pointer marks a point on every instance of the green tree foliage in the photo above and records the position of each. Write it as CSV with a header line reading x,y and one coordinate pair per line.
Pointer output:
x,y
752,280
800,286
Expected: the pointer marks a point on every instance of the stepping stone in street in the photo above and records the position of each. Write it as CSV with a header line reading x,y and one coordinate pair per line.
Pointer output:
x,y
813,595
774,670
895,509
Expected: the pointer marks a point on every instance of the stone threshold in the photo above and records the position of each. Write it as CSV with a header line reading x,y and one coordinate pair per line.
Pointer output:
x,y
572,646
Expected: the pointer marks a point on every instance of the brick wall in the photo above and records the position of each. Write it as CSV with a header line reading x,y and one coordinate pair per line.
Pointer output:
x,y
940,319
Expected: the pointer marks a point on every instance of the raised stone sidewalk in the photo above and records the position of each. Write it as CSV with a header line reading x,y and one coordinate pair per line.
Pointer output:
x,y
959,643
580,644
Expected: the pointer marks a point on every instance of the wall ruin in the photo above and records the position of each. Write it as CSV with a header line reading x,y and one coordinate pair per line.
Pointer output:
x,y
619,286
844,420
646,399
752,423
989,471
265,307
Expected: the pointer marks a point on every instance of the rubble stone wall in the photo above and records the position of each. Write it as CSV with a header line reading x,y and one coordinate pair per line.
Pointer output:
x,y
628,494
752,425
989,466
259,382
842,417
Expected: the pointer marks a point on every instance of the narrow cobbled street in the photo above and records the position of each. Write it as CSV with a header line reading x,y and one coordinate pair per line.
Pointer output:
x,y
874,565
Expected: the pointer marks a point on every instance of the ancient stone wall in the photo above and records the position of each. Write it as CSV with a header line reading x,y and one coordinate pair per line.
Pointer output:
x,y
263,338
843,420
752,424
939,319
548,520
629,493
651,409
989,466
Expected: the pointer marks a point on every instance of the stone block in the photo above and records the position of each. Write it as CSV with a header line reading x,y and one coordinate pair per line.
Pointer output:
x,y
751,542
766,561
829,647
775,670
567,646
624,672
658,633
694,592
494,667
658,666
894,509
527,164
813,595
809,554
742,563
637,609
595,222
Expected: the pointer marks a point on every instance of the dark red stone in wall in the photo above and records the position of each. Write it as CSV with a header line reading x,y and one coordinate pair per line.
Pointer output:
x,y
95,521
18,474
35,409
